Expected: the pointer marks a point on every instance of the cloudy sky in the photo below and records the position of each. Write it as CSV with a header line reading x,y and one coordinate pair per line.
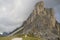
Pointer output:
x,y
14,12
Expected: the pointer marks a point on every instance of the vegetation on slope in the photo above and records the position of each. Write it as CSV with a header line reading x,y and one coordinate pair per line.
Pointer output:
x,y
25,37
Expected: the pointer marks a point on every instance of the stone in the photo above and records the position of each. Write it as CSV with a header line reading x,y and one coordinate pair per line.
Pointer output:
x,y
17,39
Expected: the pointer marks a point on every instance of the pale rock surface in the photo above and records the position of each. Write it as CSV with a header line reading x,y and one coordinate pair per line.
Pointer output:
x,y
17,39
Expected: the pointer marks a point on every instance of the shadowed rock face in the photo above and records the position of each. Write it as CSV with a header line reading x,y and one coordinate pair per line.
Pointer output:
x,y
41,22
57,27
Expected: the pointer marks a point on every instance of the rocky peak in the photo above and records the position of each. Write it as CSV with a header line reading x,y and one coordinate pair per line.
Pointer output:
x,y
41,23
40,7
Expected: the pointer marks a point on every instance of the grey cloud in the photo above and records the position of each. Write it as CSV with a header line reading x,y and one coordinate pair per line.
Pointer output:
x,y
15,14
52,3
17,11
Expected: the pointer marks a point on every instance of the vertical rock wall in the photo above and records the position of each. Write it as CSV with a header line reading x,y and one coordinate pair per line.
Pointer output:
x,y
41,22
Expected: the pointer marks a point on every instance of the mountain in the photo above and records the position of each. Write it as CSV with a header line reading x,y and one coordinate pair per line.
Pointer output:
x,y
41,23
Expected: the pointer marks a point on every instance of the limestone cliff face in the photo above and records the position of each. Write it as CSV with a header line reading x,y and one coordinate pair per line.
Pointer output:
x,y
43,17
41,23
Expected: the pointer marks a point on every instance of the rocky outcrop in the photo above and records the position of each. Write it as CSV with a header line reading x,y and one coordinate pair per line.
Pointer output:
x,y
43,16
41,23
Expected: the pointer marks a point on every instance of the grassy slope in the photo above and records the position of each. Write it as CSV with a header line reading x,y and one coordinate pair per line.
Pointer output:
x,y
22,36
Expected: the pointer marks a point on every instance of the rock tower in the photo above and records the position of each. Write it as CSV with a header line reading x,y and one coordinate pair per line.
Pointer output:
x,y
41,23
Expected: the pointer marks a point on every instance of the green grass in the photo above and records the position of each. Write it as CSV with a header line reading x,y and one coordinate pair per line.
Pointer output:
x,y
20,36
